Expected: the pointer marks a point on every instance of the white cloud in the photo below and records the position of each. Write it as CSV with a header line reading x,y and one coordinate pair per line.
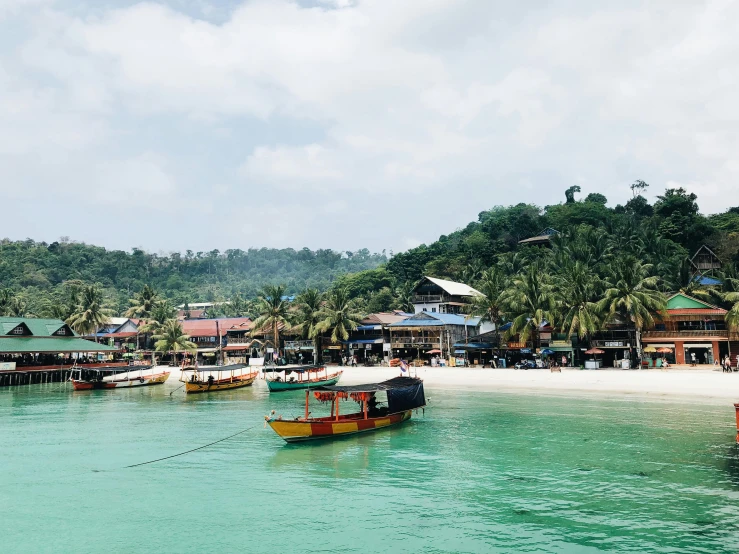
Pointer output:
x,y
387,105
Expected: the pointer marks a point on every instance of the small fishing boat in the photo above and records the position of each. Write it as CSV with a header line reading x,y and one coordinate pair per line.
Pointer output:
x,y
402,396
217,378
306,377
116,377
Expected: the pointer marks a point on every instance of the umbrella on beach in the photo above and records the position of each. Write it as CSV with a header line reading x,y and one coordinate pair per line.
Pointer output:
x,y
595,351
664,350
434,351
650,349
547,351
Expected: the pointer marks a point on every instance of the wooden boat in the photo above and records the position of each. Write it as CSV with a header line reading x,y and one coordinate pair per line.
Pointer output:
x,y
214,379
306,377
403,395
116,377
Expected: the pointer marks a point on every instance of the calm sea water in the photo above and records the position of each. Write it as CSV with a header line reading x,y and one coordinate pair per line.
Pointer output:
x,y
479,473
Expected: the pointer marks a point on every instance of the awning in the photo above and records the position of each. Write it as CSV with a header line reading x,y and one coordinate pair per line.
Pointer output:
x,y
459,351
697,345
474,345
363,341
232,347
369,328
526,351
561,348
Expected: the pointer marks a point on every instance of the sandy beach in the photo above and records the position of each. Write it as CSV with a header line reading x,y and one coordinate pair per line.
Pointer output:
x,y
681,384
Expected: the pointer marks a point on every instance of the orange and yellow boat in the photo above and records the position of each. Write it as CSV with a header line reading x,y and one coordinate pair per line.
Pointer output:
x,y
402,396
219,378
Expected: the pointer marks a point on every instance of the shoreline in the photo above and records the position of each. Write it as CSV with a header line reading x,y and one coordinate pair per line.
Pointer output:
x,y
703,385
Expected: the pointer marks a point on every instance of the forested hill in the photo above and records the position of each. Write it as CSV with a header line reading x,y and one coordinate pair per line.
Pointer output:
x,y
37,269
663,234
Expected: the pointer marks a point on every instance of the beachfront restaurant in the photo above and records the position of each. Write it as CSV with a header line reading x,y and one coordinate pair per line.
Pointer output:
x,y
426,335
691,331
31,344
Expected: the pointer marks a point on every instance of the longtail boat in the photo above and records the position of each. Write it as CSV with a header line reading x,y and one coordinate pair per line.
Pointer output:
x,y
214,379
402,396
306,377
116,377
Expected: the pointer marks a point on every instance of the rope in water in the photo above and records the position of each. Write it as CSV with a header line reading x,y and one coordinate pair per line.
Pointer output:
x,y
192,450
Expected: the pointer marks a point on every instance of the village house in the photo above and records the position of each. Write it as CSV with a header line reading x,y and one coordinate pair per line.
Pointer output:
x,y
441,296
693,329
428,334
371,339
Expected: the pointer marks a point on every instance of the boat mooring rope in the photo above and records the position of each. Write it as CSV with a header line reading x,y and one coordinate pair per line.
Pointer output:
x,y
178,388
192,450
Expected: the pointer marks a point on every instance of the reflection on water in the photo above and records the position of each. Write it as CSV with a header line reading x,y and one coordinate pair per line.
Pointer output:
x,y
478,473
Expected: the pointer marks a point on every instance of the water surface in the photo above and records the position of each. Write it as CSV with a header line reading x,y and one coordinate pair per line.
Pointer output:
x,y
478,473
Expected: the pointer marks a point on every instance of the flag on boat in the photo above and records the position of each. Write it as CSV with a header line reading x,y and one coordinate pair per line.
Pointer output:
x,y
403,366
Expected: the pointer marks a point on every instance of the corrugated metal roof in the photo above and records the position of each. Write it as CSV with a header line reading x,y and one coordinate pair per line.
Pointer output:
x,y
455,289
433,319
17,345
696,311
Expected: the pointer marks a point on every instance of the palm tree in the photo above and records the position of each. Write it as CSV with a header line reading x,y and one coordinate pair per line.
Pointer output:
x,y
529,302
577,293
632,292
159,316
90,314
172,338
143,303
5,297
732,316
404,297
17,307
490,307
274,310
308,317
338,315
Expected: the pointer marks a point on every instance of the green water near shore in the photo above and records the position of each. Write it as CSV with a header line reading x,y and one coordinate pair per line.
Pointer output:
x,y
479,473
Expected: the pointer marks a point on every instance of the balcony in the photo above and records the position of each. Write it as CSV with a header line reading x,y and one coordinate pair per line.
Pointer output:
x,y
698,334
239,340
427,298
611,343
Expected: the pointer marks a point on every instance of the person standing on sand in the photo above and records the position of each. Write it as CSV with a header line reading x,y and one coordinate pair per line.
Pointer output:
x,y
692,358
564,360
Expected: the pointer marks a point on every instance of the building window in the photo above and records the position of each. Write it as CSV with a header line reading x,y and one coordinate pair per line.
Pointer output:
x,y
17,331
433,310
61,331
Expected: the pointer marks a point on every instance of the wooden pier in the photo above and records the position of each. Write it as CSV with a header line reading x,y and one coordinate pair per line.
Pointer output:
x,y
30,376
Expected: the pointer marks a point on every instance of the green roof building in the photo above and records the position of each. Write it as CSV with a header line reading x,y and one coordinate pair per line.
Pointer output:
x,y
26,335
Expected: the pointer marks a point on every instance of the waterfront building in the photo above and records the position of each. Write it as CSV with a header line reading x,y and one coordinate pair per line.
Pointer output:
x,y
692,327
30,345
428,334
441,296
210,335
372,337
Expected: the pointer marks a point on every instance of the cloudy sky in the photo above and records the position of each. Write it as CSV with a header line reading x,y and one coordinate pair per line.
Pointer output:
x,y
201,124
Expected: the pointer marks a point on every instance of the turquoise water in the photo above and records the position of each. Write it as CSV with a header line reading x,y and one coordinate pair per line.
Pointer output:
x,y
479,473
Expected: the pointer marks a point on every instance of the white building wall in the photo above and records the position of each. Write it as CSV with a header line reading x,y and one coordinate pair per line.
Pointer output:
x,y
430,308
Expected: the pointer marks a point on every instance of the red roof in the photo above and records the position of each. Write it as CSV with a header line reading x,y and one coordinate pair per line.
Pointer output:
x,y
208,327
696,311
121,335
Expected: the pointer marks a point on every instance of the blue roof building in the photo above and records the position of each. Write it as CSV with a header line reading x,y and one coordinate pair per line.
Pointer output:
x,y
428,334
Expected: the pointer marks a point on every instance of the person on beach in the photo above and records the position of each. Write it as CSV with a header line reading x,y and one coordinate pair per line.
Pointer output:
x,y
564,360
692,359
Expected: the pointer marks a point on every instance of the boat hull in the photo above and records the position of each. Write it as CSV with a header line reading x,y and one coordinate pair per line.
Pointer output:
x,y
327,428
279,386
138,381
194,387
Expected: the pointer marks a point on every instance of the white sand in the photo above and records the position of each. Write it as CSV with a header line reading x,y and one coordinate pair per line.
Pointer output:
x,y
705,385
683,384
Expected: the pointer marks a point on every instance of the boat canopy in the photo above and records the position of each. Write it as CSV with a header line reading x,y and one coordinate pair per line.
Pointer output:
x,y
112,369
215,368
297,369
403,393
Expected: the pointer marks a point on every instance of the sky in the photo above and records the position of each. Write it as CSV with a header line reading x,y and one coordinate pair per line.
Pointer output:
x,y
348,124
